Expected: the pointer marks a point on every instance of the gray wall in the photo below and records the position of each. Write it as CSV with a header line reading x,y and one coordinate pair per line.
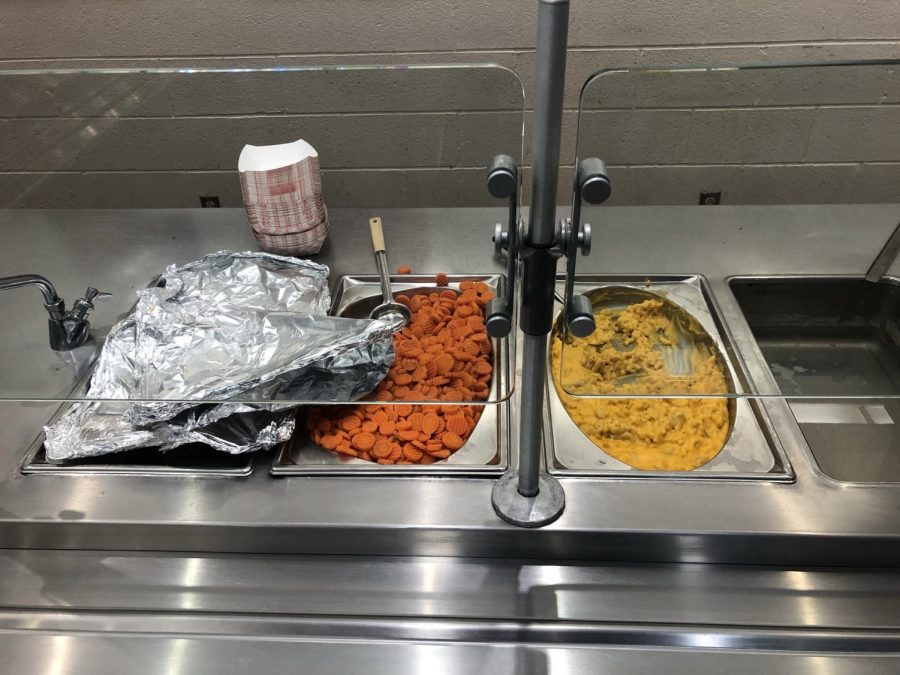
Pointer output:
x,y
148,141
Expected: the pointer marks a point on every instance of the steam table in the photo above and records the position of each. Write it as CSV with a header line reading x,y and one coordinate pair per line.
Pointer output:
x,y
288,571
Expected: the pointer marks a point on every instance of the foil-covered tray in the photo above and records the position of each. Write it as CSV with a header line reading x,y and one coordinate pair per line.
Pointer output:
x,y
191,460
751,451
216,352
486,453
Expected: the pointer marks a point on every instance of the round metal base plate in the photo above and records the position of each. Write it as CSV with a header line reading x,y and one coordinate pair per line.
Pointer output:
x,y
542,509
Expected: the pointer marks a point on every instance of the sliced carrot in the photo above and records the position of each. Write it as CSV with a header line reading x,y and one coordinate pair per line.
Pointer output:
x,y
382,449
363,441
443,363
345,449
416,420
456,424
329,441
351,422
412,453
482,367
452,441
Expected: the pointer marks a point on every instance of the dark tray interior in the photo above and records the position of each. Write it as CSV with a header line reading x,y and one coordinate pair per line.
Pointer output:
x,y
195,459
834,337
826,336
190,456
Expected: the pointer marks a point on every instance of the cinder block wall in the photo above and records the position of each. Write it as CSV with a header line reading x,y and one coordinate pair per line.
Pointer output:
x,y
126,140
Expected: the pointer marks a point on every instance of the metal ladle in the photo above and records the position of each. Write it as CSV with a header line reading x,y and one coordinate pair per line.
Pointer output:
x,y
388,310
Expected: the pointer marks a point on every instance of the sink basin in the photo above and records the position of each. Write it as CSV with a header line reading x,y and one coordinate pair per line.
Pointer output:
x,y
834,337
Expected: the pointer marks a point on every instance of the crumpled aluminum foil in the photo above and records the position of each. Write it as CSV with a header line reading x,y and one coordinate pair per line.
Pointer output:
x,y
93,428
244,328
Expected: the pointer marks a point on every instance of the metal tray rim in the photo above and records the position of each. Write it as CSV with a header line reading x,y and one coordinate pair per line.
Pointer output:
x,y
887,279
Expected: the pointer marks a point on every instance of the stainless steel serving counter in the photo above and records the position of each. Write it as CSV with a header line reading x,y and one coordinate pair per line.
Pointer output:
x,y
212,526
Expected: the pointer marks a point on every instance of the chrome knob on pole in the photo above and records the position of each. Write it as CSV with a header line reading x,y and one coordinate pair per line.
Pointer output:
x,y
592,181
503,183
503,177
592,185
580,316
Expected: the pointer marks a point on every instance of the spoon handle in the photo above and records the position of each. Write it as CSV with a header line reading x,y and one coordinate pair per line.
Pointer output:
x,y
381,258
377,234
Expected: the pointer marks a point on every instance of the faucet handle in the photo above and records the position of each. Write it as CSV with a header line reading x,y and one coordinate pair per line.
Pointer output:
x,y
92,294
82,306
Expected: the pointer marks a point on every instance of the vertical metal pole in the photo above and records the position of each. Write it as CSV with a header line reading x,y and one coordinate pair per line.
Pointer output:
x,y
530,419
549,83
529,498
540,264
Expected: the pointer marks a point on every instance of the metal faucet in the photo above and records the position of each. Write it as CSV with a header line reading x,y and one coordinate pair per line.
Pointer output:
x,y
68,329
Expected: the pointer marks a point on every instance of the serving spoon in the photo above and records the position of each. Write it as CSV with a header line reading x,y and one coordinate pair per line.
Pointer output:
x,y
388,310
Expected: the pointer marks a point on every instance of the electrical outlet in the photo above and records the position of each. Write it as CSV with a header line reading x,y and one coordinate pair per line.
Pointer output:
x,y
710,198
210,202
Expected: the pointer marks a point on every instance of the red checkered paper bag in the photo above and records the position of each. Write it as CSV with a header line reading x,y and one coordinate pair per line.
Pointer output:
x,y
282,189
